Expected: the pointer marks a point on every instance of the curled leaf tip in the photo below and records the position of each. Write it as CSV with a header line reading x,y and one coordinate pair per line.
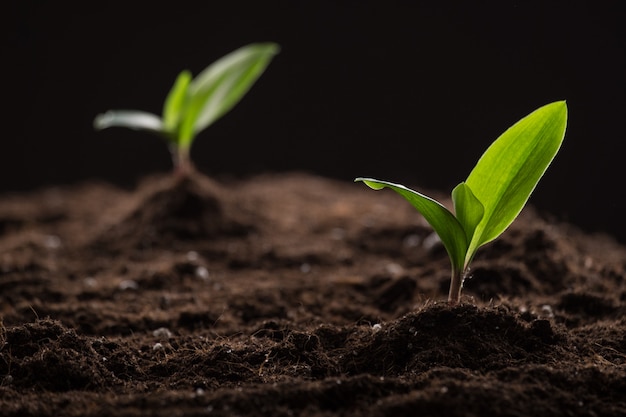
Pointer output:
x,y
374,185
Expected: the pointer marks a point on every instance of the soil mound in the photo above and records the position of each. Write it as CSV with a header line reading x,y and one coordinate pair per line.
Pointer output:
x,y
291,294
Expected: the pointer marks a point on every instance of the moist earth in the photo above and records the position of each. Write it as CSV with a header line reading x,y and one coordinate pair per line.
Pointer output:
x,y
292,294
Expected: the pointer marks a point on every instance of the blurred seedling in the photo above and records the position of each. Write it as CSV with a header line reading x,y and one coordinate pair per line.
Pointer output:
x,y
193,104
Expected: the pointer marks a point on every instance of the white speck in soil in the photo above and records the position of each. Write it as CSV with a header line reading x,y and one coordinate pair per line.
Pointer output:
x,y
128,284
431,241
202,273
412,241
394,269
52,242
162,333
546,311
90,282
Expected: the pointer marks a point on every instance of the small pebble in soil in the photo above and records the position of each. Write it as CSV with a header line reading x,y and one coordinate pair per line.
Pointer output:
x,y
90,282
546,311
394,269
52,242
412,241
202,273
162,333
431,241
128,284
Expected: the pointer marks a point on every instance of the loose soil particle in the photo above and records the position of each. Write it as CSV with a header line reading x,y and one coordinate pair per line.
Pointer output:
x,y
291,294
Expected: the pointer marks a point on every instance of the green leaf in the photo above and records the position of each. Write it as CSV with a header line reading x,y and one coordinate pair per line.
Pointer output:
x,y
132,119
509,170
175,101
218,88
468,209
444,223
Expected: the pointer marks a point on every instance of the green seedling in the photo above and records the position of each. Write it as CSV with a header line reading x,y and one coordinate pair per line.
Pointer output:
x,y
193,104
494,193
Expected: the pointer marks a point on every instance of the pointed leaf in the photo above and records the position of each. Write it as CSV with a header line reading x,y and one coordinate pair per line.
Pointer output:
x,y
175,101
440,218
218,88
468,209
132,119
509,170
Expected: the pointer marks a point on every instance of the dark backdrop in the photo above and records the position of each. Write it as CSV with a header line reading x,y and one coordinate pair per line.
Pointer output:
x,y
410,92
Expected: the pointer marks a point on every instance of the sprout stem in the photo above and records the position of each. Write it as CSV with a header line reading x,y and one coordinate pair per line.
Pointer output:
x,y
456,285
183,166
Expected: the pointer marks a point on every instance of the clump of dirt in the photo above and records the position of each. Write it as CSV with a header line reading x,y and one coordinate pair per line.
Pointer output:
x,y
291,294
170,209
54,358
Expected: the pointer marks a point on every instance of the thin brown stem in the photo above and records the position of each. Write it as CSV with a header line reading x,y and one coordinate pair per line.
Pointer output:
x,y
183,166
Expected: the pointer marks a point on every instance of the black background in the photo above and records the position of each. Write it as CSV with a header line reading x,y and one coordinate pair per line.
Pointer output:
x,y
409,92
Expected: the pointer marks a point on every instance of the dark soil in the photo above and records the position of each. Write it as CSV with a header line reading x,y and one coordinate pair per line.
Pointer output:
x,y
293,295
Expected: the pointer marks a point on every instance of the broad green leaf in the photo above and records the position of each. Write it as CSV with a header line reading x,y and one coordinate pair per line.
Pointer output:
x,y
132,119
468,209
230,91
444,223
175,101
218,88
509,170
